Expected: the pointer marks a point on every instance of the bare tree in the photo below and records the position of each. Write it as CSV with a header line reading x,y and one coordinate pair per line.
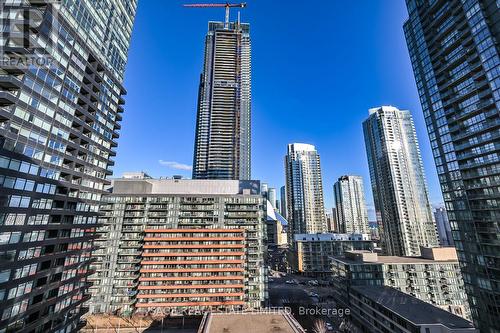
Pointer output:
x,y
347,326
319,326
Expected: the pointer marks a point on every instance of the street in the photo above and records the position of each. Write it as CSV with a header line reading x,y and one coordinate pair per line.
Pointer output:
x,y
312,306
306,309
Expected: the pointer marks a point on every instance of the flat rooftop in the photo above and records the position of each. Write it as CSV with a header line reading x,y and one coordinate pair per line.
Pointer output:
x,y
394,260
131,186
411,308
250,322
330,237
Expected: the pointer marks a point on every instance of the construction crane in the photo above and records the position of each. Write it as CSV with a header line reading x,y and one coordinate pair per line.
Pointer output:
x,y
226,5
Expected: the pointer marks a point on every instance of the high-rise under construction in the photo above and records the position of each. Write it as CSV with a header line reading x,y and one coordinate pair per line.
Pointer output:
x,y
223,140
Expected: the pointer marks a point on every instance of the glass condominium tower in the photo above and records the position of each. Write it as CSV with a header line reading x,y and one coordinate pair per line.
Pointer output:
x,y
61,105
350,205
454,49
223,136
398,182
304,190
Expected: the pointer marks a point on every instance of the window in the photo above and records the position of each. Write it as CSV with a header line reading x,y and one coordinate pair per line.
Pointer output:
x,y
33,252
16,165
25,271
20,290
12,219
9,237
4,275
19,201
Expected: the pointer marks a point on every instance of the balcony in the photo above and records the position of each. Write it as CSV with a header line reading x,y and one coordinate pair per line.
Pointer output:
x,y
9,82
4,116
14,68
7,98
462,134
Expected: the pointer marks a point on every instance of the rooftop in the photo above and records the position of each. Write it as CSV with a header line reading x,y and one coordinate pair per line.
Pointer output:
x,y
301,147
131,186
250,322
136,175
347,177
411,308
385,108
330,237
395,260
429,256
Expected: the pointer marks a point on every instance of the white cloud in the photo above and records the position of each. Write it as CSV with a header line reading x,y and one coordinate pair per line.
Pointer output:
x,y
176,165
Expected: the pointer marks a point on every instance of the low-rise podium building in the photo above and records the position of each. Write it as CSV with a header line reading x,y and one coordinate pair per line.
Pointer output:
x,y
380,309
434,277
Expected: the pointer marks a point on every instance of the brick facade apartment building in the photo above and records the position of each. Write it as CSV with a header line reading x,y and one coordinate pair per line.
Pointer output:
x,y
175,245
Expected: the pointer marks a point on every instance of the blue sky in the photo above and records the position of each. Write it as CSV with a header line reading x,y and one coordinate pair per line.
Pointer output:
x,y
316,70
